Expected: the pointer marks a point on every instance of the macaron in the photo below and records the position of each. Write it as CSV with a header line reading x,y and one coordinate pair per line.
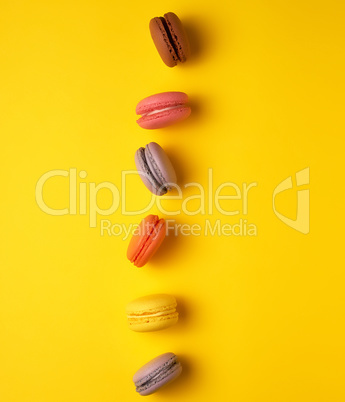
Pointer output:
x,y
152,313
162,110
155,168
170,39
156,373
146,240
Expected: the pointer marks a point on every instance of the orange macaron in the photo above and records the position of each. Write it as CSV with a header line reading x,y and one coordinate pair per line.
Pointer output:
x,y
146,240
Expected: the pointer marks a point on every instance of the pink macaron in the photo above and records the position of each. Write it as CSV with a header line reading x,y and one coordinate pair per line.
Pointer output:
x,y
162,110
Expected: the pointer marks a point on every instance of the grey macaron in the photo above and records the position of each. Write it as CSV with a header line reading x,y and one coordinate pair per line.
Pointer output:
x,y
156,373
155,168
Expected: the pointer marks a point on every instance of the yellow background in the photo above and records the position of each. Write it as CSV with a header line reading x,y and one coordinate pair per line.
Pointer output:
x,y
261,318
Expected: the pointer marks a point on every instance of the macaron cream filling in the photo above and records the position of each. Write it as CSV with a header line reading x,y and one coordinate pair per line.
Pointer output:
x,y
161,110
152,171
156,171
161,312
144,154
159,374
164,318
171,37
153,229
175,38
152,313
171,42
148,314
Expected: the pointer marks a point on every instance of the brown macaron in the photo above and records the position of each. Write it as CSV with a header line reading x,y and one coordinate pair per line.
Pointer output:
x,y
170,39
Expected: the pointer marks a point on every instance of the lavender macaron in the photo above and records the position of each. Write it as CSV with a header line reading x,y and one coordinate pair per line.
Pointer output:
x,y
156,373
155,168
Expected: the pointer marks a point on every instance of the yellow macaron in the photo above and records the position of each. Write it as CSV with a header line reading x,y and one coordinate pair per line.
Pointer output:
x,y
152,313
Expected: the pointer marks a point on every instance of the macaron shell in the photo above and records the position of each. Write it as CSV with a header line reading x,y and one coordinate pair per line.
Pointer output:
x,y
152,244
162,42
160,101
159,163
153,323
165,118
152,303
147,176
179,36
141,236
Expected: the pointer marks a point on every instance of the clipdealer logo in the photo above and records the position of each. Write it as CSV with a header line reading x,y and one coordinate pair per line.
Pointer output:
x,y
302,221
83,200
205,200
